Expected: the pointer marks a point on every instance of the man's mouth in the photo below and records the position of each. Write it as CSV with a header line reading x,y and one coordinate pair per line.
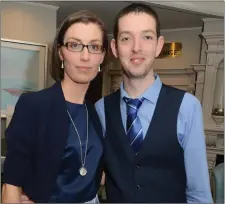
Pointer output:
x,y
137,60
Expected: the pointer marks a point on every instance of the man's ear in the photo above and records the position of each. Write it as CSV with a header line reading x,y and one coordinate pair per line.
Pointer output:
x,y
160,44
114,48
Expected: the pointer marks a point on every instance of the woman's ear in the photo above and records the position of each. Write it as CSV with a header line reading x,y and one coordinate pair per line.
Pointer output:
x,y
60,53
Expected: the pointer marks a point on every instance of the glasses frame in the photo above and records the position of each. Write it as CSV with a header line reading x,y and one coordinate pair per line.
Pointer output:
x,y
83,46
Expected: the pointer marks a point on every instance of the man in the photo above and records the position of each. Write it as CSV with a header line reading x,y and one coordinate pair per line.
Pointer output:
x,y
155,145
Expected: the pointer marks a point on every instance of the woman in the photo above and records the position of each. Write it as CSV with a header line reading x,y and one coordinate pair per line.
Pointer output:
x,y
55,137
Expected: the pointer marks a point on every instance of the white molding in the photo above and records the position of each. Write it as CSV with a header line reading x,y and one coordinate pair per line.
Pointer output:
x,y
213,35
215,51
212,19
198,67
213,131
210,7
181,29
213,128
55,8
185,71
24,42
219,151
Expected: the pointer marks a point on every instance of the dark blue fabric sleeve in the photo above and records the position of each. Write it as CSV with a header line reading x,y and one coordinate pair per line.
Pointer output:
x,y
19,140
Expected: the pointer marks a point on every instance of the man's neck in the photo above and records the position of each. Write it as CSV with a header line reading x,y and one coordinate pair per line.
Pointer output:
x,y
136,87
74,92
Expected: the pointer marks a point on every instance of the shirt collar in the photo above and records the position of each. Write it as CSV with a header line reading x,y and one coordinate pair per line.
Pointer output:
x,y
151,93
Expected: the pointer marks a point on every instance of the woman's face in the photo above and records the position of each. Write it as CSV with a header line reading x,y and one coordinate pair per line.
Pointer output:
x,y
82,66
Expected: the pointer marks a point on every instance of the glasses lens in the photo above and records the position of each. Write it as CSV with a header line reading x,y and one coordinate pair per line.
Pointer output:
x,y
74,46
78,47
94,48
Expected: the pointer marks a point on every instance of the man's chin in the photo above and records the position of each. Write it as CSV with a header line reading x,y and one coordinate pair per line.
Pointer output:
x,y
135,75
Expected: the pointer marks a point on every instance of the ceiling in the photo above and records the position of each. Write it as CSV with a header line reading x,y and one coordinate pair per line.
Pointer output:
x,y
170,18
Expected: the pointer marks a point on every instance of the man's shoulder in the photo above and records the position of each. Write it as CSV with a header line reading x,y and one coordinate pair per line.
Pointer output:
x,y
189,101
173,89
190,104
190,98
100,102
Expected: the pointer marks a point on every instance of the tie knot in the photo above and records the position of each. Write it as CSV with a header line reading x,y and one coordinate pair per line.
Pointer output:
x,y
133,103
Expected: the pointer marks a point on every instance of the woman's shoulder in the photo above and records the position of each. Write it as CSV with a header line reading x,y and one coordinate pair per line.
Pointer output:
x,y
36,98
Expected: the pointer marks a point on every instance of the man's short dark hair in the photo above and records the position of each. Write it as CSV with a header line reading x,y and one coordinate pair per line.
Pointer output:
x,y
136,8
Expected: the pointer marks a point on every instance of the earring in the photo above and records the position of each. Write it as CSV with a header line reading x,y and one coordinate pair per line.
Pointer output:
x,y
99,68
62,66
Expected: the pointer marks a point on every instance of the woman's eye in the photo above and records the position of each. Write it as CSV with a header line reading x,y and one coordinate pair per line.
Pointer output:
x,y
96,47
73,45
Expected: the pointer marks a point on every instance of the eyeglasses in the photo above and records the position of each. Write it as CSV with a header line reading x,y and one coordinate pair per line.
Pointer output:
x,y
78,47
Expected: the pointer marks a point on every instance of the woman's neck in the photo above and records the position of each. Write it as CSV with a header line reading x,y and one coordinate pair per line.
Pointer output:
x,y
74,92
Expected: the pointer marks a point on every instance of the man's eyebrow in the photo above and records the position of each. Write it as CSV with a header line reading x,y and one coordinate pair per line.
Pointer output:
x,y
124,32
149,31
144,31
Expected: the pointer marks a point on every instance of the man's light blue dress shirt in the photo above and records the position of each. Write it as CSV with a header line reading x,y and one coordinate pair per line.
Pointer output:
x,y
190,133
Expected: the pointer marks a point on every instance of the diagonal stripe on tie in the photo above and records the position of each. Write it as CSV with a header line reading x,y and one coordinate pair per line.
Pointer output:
x,y
134,128
140,131
129,127
130,119
132,107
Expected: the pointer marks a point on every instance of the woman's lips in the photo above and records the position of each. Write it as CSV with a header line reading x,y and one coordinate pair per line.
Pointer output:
x,y
83,67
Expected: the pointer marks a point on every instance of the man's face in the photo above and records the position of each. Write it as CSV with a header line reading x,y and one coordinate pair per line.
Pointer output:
x,y
137,45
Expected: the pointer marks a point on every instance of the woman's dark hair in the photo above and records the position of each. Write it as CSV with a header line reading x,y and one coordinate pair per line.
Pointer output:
x,y
83,16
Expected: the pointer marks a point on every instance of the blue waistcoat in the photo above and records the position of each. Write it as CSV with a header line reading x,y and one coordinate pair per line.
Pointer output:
x,y
157,173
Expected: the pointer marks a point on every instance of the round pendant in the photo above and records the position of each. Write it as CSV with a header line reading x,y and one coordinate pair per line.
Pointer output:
x,y
83,171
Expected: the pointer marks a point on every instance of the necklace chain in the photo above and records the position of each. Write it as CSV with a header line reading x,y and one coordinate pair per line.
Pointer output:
x,y
81,152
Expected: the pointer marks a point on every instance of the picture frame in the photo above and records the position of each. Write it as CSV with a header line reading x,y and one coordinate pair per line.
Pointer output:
x,y
23,69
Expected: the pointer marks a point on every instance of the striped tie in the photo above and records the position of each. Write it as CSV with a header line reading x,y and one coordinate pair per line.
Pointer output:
x,y
134,128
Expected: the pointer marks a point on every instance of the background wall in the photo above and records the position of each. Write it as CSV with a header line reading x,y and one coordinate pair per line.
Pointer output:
x,y
191,49
191,44
29,22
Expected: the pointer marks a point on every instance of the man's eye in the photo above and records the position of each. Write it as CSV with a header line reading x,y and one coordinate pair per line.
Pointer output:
x,y
125,38
148,37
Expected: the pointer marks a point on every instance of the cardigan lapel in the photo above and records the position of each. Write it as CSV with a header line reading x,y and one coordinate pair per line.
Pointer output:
x,y
57,129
